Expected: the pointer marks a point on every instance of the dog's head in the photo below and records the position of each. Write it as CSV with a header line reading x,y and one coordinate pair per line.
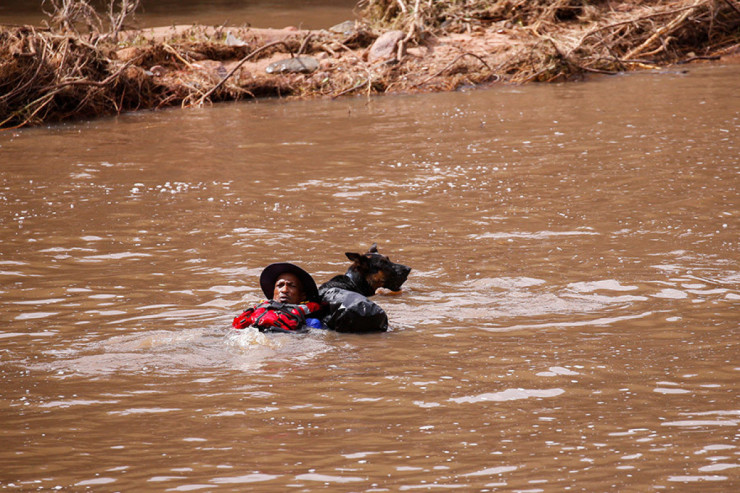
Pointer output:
x,y
378,270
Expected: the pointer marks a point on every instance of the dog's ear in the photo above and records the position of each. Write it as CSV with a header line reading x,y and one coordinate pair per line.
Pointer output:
x,y
373,248
355,257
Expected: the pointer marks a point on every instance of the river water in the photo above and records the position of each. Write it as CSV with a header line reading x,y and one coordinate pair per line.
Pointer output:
x,y
570,323
307,14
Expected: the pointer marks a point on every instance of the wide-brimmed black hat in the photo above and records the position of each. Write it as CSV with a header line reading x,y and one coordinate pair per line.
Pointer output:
x,y
272,272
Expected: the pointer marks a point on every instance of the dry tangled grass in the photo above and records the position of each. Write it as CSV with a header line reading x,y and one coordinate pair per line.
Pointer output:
x,y
650,35
50,76
458,15
564,38
81,64
45,75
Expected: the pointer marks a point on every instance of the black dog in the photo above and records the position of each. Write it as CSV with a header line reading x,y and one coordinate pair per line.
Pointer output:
x,y
346,297
369,272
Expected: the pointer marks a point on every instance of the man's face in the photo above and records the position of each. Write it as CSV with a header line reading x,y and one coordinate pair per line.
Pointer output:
x,y
288,289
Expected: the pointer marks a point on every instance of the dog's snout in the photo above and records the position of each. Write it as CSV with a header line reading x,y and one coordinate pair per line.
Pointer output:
x,y
403,270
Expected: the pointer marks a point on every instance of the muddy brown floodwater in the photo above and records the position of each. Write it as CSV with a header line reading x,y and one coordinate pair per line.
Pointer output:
x,y
307,14
571,322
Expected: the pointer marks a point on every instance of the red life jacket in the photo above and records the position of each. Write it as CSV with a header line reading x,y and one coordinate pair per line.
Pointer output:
x,y
272,315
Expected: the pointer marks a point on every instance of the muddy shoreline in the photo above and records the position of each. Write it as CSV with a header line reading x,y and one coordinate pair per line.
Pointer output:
x,y
49,76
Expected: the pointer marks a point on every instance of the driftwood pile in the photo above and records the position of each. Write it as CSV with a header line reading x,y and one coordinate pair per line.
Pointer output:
x,y
560,39
74,69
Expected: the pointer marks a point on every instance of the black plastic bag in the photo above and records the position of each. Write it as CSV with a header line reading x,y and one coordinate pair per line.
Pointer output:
x,y
352,312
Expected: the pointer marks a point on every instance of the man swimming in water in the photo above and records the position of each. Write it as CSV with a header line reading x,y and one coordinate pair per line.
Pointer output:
x,y
291,295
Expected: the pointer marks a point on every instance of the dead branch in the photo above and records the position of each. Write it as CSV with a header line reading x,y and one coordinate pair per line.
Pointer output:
x,y
664,30
453,62
238,65
118,18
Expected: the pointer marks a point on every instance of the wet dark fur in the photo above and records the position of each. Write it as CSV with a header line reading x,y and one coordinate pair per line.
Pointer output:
x,y
369,272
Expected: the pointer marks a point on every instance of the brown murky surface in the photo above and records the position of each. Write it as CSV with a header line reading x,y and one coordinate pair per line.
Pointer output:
x,y
307,14
571,322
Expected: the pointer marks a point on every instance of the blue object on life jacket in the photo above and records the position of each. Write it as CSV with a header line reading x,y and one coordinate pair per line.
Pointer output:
x,y
315,323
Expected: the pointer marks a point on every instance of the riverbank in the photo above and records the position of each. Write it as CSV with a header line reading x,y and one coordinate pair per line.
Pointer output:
x,y
49,75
